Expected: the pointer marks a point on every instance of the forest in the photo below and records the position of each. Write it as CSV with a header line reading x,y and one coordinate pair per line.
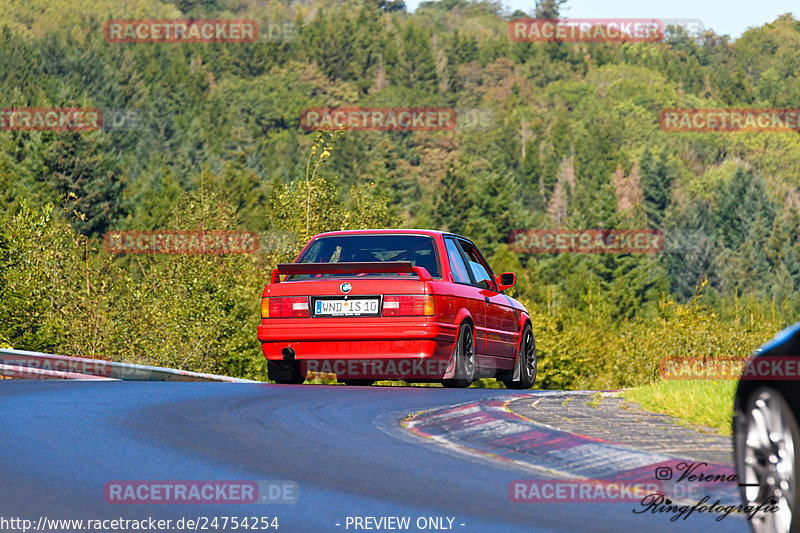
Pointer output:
x,y
547,135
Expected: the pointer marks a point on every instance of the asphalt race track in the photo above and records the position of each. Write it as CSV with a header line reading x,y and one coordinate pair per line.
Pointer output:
x,y
61,442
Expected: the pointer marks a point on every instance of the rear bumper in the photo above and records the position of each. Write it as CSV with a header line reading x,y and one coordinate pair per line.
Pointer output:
x,y
355,337
362,347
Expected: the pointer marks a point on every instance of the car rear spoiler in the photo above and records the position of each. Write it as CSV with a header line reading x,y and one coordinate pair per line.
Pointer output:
x,y
387,267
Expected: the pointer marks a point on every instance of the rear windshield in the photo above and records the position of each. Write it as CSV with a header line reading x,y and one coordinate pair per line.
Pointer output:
x,y
419,249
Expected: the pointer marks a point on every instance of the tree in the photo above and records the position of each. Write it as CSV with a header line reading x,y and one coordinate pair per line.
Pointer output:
x,y
87,177
416,67
494,210
389,5
690,249
534,193
548,9
657,178
453,200
740,202
330,41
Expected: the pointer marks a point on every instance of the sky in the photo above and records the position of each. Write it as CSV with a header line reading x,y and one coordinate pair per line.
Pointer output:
x,y
731,17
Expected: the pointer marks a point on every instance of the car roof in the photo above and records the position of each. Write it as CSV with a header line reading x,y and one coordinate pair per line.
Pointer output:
x,y
430,232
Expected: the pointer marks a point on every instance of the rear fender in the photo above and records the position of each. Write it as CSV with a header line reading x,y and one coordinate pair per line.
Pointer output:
x,y
461,317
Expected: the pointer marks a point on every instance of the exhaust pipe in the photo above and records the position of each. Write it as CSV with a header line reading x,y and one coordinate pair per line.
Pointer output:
x,y
288,354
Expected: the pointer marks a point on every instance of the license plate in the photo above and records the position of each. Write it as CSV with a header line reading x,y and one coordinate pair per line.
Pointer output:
x,y
350,307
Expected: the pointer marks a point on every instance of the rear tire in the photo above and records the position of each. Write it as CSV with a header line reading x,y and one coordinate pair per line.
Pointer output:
x,y
464,355
526,360
285,372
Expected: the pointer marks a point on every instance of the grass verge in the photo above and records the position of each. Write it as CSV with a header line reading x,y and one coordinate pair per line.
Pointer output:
x,y
696,402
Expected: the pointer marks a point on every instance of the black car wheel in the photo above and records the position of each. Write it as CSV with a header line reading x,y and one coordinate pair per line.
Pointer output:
x,y
464,354
526,361
766,449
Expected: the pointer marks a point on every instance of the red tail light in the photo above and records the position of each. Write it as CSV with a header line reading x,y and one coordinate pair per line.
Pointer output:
x,y
409,305
286,307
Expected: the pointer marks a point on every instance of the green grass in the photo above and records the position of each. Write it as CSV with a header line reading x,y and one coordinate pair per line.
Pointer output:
x,y
696,402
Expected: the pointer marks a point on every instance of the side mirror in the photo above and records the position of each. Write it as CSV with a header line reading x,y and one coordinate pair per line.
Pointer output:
x,y
506,280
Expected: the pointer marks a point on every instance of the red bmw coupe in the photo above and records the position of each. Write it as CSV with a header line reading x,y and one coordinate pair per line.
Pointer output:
x,y
417,305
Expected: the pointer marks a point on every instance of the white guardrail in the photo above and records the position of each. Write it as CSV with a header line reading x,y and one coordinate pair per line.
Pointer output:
x,y
34,365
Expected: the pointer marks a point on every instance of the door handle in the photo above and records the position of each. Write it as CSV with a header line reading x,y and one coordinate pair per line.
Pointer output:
x,y
486,299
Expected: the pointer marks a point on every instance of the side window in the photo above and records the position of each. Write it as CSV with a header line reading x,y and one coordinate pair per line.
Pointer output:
x,y
476,265
457,265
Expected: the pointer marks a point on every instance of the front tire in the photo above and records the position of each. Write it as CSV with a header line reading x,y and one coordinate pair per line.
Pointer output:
x,y
464,355
767,451
526,361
